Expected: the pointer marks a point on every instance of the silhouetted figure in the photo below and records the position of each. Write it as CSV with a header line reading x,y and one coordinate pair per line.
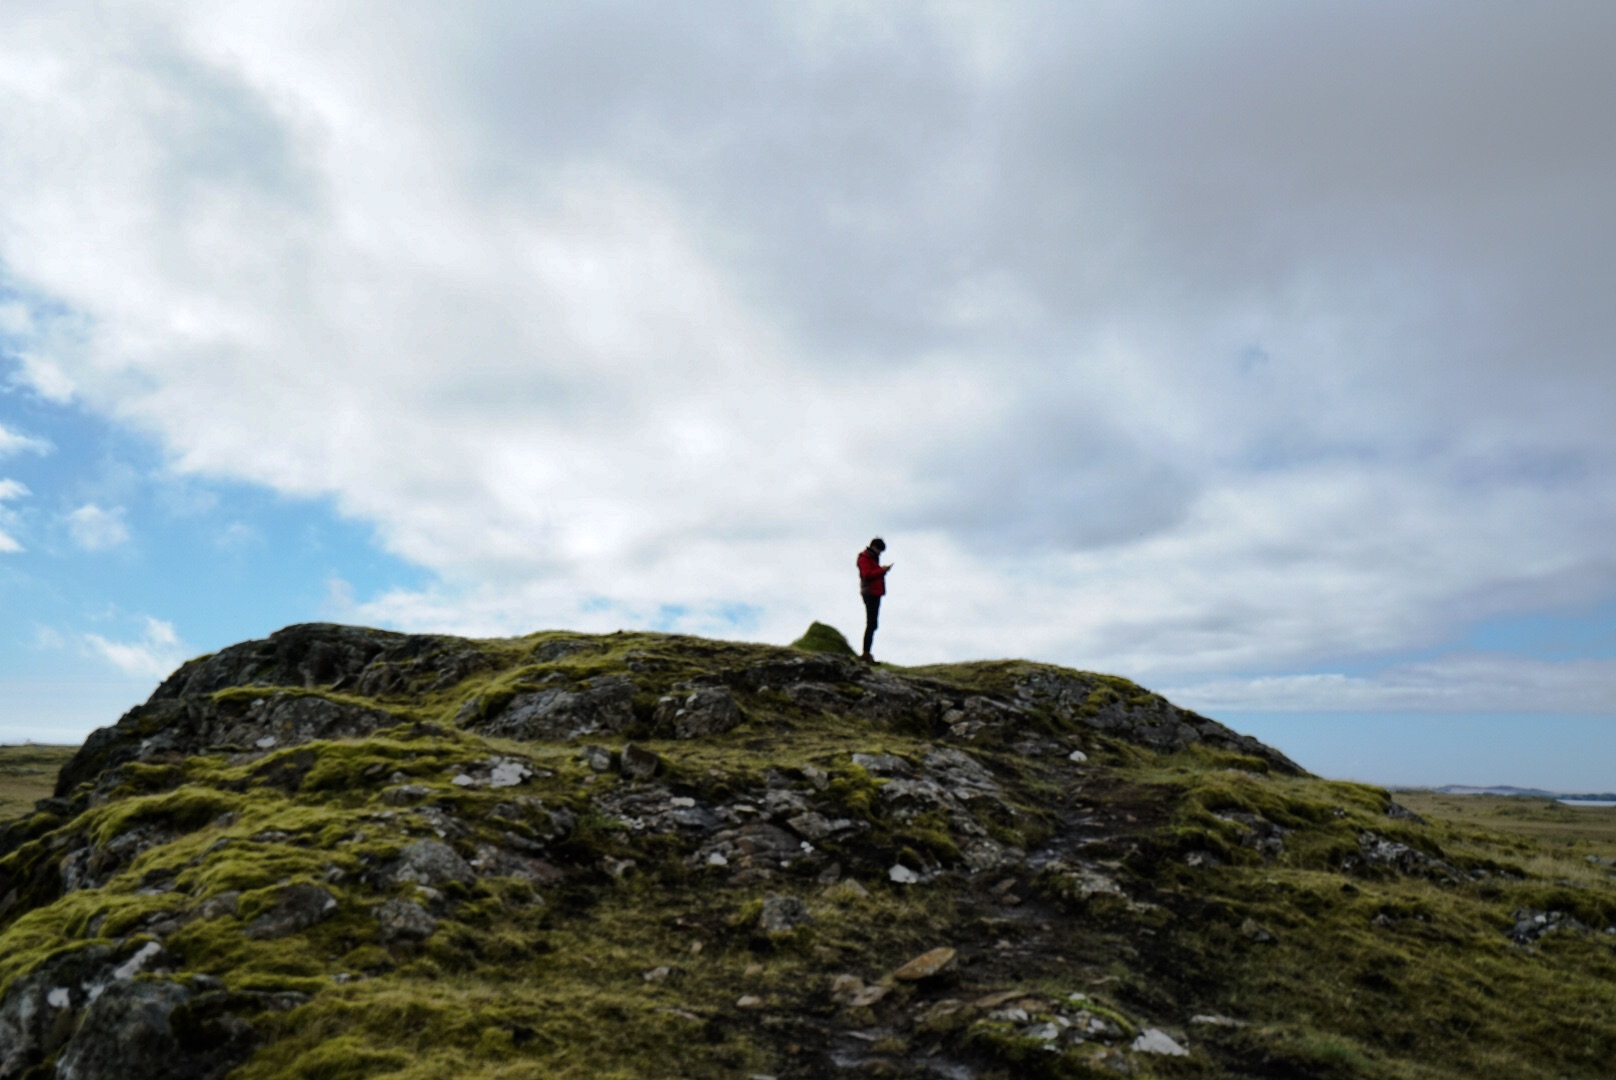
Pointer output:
x,y
873,586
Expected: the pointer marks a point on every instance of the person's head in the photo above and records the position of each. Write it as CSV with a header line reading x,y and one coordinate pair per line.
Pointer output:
x,y
878,545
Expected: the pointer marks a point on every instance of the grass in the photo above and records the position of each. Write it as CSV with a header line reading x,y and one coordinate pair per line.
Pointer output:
x,y
27,774
1582,830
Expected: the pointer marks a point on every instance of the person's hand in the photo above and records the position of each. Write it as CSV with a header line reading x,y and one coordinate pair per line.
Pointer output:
x,y
887,567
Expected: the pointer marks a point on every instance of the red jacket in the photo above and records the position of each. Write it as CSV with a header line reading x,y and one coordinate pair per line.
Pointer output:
x,y
872,575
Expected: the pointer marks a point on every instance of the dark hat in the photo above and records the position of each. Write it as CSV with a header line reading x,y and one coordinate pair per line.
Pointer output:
x,y
878,544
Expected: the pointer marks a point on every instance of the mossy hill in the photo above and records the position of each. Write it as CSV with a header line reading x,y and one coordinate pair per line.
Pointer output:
x,y
345,853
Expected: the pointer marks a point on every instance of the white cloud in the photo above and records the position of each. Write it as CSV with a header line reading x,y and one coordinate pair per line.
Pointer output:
x,y
43,377
9,490
94,528
1458,684
155,653
12,442
1170,346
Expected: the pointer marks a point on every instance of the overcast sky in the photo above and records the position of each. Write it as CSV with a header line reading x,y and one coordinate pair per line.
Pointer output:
x,y
1259,352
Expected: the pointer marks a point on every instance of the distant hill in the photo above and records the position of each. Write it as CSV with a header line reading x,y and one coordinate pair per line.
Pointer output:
x,y
345,853
1507,791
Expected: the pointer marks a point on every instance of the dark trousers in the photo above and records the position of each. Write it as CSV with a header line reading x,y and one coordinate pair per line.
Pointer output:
x,y
872,618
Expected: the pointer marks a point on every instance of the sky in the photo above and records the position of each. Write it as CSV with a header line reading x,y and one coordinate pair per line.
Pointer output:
x,y
1259,352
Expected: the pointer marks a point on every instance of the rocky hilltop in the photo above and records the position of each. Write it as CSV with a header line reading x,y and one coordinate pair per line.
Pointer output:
x,y
340,852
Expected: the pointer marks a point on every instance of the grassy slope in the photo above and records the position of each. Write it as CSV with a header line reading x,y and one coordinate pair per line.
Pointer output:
x,y
525,981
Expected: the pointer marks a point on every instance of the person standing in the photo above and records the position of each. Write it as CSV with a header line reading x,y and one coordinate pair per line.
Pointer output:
x,y
873,586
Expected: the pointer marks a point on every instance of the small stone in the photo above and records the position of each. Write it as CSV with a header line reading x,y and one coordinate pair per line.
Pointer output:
x,y
598,758
782,914
508,774
404,920
1216,1021
695,948
868,996
681,802
1077,757
717,859
844,987
927,965
431,862
819,778
657,974
638,764
883,764
1156,1041
749,1001
266,742
753,970
1256,931
902,875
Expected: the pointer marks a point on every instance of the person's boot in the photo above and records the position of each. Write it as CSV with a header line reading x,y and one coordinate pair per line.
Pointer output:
x,y
867,658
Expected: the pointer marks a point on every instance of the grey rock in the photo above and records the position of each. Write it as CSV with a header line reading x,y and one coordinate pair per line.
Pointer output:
x,y
782,914
602,705
639,764
883,764
431,862
709,710
404,921
127,1033
40,1009
297,907
1380,853
598,758
1156,1041
815,826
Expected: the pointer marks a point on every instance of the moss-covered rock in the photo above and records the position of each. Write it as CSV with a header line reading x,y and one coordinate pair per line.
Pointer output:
x,y
342,852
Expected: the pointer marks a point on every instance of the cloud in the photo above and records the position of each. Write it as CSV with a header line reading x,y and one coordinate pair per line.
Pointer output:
x,y
96,529
9,490
154,654
1175,346
12,442
1464,684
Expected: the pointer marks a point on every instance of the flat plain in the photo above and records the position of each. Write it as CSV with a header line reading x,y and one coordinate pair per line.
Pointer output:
x,y
28,772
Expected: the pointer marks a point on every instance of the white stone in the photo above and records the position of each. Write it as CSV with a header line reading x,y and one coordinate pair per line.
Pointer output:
x,y
1077,756
716,859
902,874
60,998
1156,1041
508,774
131,967
682,802
462,781
266,742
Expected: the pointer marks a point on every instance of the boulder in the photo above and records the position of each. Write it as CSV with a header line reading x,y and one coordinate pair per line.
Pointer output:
x,y
431,862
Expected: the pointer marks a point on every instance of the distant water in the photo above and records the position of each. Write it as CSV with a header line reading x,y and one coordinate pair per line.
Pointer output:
x,y
1589,802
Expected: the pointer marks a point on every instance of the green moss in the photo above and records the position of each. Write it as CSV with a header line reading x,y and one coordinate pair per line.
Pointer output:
x,y
821,638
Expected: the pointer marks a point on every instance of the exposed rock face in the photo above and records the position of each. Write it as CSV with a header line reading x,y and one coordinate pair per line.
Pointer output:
x,y
601,706
707,711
